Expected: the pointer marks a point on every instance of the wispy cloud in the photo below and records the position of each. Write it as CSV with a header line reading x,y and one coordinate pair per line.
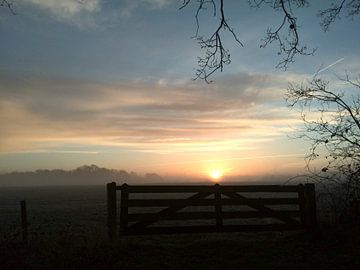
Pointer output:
x,y
130,6
78,12
40,113
229,159
66,7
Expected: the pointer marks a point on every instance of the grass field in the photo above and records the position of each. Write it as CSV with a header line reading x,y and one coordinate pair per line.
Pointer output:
x,y
54,208
68,232
332,250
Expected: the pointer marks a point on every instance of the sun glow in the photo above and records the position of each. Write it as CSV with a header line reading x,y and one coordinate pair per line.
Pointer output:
x,y
216,174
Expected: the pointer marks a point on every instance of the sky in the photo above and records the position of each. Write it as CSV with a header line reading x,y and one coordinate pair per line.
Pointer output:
x,y
111,83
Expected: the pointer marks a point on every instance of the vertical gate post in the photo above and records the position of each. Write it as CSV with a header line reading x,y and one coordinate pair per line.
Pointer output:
x,y
111,209
218,208
24,221
124,209
310,207
302,205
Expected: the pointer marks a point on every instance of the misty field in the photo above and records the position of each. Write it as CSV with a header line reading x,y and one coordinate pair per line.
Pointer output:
x,y
83,208
53,209
68,231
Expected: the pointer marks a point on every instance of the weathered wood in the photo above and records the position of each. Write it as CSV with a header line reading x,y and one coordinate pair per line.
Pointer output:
x,y
260,206
259,188
124,208
302,204
24,221
204,188
211,229
111,209
241,200
204,215
292,219
171,209
310,207
170,202
168,189
198,215
218,208
211,202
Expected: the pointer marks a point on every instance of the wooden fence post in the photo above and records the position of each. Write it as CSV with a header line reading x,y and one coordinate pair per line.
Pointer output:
x,y
310,202
124,209
302,205
111,209
218,208
24,221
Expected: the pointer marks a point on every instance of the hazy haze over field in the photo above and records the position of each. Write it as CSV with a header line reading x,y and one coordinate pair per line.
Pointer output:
x,y
94,175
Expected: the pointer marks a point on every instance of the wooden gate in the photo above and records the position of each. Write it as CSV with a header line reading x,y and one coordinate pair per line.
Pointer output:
x,y
262,201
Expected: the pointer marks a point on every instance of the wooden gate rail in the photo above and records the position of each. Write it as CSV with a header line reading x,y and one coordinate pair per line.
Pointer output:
x,y
303,218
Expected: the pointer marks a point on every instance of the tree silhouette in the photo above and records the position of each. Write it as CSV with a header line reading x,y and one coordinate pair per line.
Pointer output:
x,y
332,126
349,8
286,35
335,134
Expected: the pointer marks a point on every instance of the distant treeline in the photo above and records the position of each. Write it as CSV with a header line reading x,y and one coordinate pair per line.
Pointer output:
x,y
84,175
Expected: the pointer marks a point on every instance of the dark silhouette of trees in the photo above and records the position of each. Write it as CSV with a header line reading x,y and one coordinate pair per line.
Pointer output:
x,y
332,126
285,35
83,175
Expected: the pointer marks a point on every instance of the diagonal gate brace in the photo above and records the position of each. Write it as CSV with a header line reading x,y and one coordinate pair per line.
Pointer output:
x,y
262,208
170,210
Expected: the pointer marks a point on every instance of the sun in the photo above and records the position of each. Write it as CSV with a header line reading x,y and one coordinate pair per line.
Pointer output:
x,y
216,174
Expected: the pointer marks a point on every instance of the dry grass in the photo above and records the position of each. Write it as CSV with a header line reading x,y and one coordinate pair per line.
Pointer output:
x,y
333,249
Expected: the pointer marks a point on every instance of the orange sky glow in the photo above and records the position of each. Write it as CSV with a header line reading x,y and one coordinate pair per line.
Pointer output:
x,y
111,83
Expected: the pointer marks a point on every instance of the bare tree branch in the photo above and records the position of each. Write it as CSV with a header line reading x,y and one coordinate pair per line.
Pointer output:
x,y
331,14
331,123
8,4
286,34
216,55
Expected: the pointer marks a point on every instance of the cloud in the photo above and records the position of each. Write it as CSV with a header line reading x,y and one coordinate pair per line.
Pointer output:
x,y
66,7
130,6
156,3
87,14
78,12
43,113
